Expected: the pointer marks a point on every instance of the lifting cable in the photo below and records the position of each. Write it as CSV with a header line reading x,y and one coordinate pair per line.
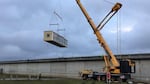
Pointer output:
x,y
60,16
107,1
119,30
118,43
57,17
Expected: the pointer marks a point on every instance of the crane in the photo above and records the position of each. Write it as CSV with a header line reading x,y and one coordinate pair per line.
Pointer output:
x,y
112,64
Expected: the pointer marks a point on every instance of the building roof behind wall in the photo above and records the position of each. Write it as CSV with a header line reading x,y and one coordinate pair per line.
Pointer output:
x,y
145,56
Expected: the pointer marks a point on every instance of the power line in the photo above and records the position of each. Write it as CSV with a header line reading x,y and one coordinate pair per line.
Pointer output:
x,y
119,33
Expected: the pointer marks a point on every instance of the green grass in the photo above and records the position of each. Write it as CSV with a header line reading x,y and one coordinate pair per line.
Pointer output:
x,y
50,81
54,81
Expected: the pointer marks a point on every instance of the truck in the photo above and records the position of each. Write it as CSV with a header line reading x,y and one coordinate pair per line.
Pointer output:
x,y
114,69
89,74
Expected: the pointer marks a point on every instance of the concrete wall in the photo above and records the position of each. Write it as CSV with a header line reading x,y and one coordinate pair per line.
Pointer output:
x,y
142,70
70,68
66,69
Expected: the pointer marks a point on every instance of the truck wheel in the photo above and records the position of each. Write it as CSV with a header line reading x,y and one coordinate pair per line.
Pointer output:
x,y
84,77
112,79
119,79
103,78
98,78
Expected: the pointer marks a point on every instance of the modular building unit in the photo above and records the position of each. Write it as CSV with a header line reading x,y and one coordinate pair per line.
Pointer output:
x,y
55,39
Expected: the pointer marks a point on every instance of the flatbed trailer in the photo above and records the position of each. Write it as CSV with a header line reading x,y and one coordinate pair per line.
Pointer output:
x,y
104,76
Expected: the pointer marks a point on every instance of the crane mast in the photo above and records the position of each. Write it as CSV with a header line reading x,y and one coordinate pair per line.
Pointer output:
x,y
100,38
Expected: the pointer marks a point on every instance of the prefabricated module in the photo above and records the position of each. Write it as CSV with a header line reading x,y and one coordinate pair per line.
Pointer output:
x,y
55,39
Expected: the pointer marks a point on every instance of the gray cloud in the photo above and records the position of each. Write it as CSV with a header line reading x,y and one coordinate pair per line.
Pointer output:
x,y
23,21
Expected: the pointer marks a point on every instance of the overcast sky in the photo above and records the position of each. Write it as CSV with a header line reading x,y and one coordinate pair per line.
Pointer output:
x,y
22,23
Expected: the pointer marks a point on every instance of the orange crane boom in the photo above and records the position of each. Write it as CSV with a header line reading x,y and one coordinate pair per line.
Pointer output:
x,y
118,69
96,29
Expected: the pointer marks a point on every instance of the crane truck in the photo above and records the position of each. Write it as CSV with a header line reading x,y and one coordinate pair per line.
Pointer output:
x,y
118,69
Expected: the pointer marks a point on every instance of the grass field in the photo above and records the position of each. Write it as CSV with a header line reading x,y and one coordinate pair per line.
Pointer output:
x,y
54,81
16,79
27,79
